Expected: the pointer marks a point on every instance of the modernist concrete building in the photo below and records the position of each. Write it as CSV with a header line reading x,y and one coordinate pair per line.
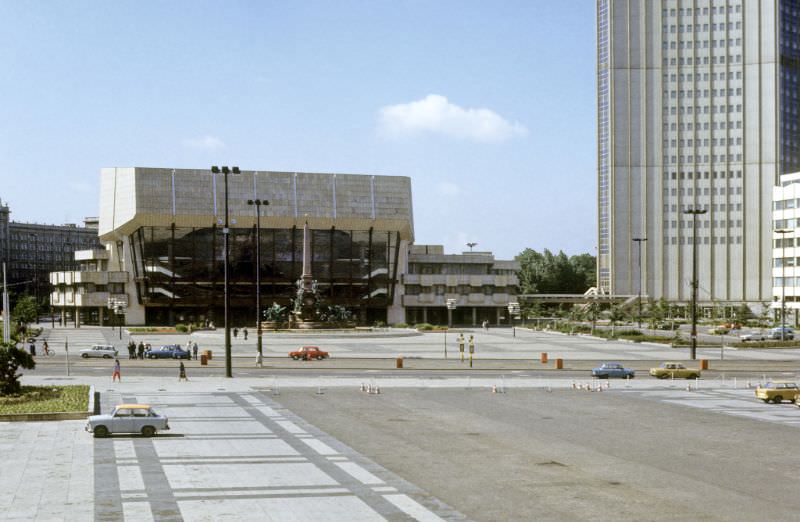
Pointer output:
x,y
697,109
32,250
164,229
163,257
786,246
480,285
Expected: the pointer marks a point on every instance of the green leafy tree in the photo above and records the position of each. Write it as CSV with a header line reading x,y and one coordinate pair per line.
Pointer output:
x,y
25,310
548,273
11,359
615,315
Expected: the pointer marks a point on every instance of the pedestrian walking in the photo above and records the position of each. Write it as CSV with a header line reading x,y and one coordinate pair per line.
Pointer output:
x,y
32,348
244,332
46,348
259,360
194,350
117,375
147,349
471,349
182,373
235,332
141,350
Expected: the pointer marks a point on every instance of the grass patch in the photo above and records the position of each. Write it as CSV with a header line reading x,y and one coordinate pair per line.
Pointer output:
x,y
46,399
767,344
154,329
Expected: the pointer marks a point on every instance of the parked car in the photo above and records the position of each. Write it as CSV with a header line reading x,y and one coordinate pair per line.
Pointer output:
x,y
778,391
675,370
753,336
612,369
169,351
128,418
309,352
775,333
106,351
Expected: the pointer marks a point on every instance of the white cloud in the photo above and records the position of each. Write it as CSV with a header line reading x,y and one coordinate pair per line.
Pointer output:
x,y
448,188
206,142
435,114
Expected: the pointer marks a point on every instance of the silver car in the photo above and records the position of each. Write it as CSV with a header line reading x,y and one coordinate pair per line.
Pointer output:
x,y
128,418
106,351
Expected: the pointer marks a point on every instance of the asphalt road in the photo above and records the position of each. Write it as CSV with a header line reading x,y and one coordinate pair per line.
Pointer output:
x,y
533,455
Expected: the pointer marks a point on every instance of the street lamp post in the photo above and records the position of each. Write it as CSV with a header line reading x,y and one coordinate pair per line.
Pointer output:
x,y
35,238
226,247
451,305
513,310
257,203
471,244
694,213
639,241
783,232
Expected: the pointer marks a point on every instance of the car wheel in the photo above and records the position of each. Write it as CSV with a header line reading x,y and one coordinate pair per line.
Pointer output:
x,y
106,356
603,376
85,355
765,400
151,356
295,357
320,357
100,432
777,399
148,431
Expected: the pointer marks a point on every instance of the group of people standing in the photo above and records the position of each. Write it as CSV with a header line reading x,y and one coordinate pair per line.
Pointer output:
x,y
137,352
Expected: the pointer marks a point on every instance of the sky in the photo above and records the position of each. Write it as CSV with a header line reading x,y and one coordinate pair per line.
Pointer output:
x,y
489,107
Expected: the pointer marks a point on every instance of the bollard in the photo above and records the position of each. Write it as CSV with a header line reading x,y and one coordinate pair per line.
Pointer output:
x,y
543,358
399,362
203,360
559,364
704,364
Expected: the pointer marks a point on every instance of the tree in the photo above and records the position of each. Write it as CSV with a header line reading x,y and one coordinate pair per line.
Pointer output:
x,y
25,310
548,273
11,359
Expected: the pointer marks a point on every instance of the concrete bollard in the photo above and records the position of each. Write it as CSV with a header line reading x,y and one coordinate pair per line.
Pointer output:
x,y
399,362
559,364
543,357
704,364
203,360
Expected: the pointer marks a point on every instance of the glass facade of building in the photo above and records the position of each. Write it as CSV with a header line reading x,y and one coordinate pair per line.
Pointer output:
x,y
789,85
179,272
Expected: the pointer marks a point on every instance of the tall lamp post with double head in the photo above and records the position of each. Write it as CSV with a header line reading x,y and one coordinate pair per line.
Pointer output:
x,y
226,247
471,244
257,204
513,311
639,241
694,212
451,305
783,232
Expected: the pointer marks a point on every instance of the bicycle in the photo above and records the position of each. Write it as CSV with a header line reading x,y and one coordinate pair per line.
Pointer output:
x,y
49,353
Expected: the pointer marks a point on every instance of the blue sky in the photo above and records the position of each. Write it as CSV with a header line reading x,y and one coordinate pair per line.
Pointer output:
x,y
488,106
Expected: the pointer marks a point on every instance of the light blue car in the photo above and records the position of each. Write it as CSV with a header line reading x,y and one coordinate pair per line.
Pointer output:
x,y
611,369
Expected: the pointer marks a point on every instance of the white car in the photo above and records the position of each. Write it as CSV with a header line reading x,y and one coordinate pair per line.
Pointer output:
x,y
753,336
106,351
128,418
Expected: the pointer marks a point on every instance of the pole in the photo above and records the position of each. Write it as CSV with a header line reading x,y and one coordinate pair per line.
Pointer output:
x,y
6,311
639,241
783,284
258,277
445,343
225,234
695,284
66,353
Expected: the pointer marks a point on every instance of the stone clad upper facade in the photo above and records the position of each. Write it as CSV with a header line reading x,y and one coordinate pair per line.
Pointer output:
x,y
134,197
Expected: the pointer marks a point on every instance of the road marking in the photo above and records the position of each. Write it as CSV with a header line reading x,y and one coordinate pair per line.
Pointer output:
x,y
412,508
359,473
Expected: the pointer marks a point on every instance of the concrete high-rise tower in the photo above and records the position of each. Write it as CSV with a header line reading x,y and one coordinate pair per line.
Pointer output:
x,y
697,109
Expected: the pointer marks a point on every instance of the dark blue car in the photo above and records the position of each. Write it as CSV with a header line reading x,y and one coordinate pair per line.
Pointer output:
x,y
609,370
170,351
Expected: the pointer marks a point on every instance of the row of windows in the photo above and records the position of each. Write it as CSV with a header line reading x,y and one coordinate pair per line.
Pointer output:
x,y
780,262
704,44
697,28
718,174
703,191
703,109
704,240
460,290
688,77
697,11
786,204
790,281
784,242
673,160
706,223
705,93
714,125
705,142
786,223
721,207
715,60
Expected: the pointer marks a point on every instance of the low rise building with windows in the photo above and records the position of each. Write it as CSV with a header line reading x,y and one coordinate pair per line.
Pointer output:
x,y
480,286
786,245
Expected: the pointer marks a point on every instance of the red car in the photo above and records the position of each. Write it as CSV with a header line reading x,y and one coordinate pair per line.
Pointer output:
x,y
309,352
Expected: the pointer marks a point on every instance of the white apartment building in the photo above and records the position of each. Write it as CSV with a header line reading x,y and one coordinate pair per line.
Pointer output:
x,y
697,109
786,245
